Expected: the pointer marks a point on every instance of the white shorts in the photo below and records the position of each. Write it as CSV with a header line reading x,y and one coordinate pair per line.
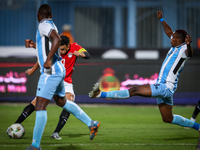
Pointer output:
x,y
69,88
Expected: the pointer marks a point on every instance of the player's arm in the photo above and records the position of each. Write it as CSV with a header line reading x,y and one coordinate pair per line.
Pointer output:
x,y
166,27
82,53
54,48
30,43
32,70
189,51
85,55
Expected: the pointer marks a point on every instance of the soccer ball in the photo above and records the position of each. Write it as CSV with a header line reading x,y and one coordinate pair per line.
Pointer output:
x,y
16,131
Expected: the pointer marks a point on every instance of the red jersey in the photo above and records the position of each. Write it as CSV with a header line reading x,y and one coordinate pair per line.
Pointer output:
x,y
68,60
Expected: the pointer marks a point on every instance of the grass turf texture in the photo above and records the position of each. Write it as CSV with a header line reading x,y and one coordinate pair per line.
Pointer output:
x,y
122,128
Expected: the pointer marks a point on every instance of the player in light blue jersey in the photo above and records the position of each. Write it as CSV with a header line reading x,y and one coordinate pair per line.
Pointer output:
x,y
51,81
167,80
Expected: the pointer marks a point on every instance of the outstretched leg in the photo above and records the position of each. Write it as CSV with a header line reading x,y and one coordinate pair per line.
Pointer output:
x,y
62,121
26,112
142,90
168,117
64,115
79,114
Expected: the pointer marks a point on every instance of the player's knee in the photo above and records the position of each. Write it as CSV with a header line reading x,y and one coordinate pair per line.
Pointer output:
x,y
60,103
69,96
41,103
57,103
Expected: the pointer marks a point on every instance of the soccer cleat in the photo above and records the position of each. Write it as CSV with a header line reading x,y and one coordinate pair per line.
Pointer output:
x,y
8,131
55,135
33,148
95,91
94,129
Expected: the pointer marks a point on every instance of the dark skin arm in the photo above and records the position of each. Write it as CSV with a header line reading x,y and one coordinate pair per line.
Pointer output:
x,y
169,32
32,70
166,27
189,51
55,45
30,43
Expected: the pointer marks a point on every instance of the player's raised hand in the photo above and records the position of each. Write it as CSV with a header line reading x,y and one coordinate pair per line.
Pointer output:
x,y
76,53
29,71
188,39
159,14
32,70
30,43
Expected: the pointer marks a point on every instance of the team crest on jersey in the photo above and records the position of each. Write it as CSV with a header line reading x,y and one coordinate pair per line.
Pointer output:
x,y
170,52
176,50
70,55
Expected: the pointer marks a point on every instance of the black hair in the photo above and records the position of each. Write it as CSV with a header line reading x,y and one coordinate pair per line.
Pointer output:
x,y
45,10
65,40
181,34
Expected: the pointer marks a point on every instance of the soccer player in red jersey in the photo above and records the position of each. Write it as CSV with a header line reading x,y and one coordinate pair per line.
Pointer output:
x,y
69,53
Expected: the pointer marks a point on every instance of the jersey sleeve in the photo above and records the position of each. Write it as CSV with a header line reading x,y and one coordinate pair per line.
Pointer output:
x,y
46,28
80,48
184,51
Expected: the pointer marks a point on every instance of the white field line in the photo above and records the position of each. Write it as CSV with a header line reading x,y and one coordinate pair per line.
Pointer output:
x,y
110,144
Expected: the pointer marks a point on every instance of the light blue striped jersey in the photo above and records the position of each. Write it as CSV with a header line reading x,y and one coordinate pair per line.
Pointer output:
x,y
43,46
172,66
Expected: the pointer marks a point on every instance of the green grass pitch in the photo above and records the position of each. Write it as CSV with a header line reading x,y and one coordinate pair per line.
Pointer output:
x,y
122,128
